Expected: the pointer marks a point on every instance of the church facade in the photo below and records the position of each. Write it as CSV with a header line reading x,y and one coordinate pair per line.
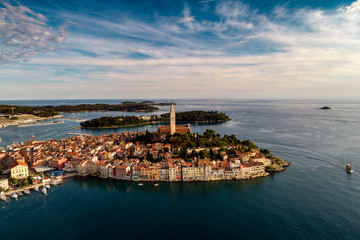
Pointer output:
x,y
173,128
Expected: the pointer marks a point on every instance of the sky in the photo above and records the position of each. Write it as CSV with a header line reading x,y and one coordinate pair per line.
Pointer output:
x,y
171,49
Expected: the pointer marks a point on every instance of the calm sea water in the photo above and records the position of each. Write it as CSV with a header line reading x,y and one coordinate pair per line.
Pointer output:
x,y
313,199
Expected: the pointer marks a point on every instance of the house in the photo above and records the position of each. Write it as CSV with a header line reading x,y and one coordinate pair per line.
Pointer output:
x,y
4,183
19,170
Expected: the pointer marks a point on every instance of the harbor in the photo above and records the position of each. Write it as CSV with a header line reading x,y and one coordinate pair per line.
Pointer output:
x,y
39,188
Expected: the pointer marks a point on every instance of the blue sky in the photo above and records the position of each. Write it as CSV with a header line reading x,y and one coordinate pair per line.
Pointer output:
x,y
179,49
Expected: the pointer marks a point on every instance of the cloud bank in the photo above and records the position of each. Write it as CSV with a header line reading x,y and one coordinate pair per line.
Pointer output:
x,y
25,33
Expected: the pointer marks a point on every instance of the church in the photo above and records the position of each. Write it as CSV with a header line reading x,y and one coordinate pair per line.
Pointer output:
x,y
173,128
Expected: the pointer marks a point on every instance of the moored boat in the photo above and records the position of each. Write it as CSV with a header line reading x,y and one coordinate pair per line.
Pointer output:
x,y
2,197
156,184
140,184
36,188
43,190
349,168
47,186
26,191
14,195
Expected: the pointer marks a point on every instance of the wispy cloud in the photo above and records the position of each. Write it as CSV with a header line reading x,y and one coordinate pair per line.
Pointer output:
x,y
25,33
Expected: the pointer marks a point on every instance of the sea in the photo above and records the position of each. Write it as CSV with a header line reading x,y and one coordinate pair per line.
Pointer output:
x,y
315,198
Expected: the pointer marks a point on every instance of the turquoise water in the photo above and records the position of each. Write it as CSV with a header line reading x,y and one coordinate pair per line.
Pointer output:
x,y
313,199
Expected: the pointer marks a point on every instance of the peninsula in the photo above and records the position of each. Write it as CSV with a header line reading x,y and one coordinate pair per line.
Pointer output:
x,y
144,156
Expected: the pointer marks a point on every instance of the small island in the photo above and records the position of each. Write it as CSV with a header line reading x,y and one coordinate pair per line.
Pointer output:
x,y
325,108
132,121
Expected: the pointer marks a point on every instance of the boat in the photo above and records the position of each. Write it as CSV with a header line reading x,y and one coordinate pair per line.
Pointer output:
x,y
47,186
14,195
156,184
26,191
140,184
2,197
56,182
43,190
32,136
349,168
36,188
19,194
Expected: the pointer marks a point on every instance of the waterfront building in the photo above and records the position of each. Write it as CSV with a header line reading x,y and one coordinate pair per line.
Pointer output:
x,y
217,173
81,167
103,169
175,173
136,173
123,172
252,169
164,173
19,170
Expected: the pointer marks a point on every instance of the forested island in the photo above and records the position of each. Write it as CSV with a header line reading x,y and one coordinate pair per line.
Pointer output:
x,y
49,111
130,121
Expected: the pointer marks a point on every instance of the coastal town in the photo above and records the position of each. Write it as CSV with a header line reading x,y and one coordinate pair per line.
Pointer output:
x,y
140,157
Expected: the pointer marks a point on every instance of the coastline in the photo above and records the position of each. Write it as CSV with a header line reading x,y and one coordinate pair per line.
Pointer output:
x,y
28,120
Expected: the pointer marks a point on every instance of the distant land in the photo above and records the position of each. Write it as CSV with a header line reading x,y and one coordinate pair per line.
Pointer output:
x,y
132,121
326,108
50,111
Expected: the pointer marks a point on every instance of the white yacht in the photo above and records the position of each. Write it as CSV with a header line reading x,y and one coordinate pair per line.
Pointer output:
x,y
140,184
3,197
43,190
36,188
156,184
56,182
14,195
47,186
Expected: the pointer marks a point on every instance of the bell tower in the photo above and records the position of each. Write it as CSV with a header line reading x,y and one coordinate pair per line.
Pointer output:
x,y
172,120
